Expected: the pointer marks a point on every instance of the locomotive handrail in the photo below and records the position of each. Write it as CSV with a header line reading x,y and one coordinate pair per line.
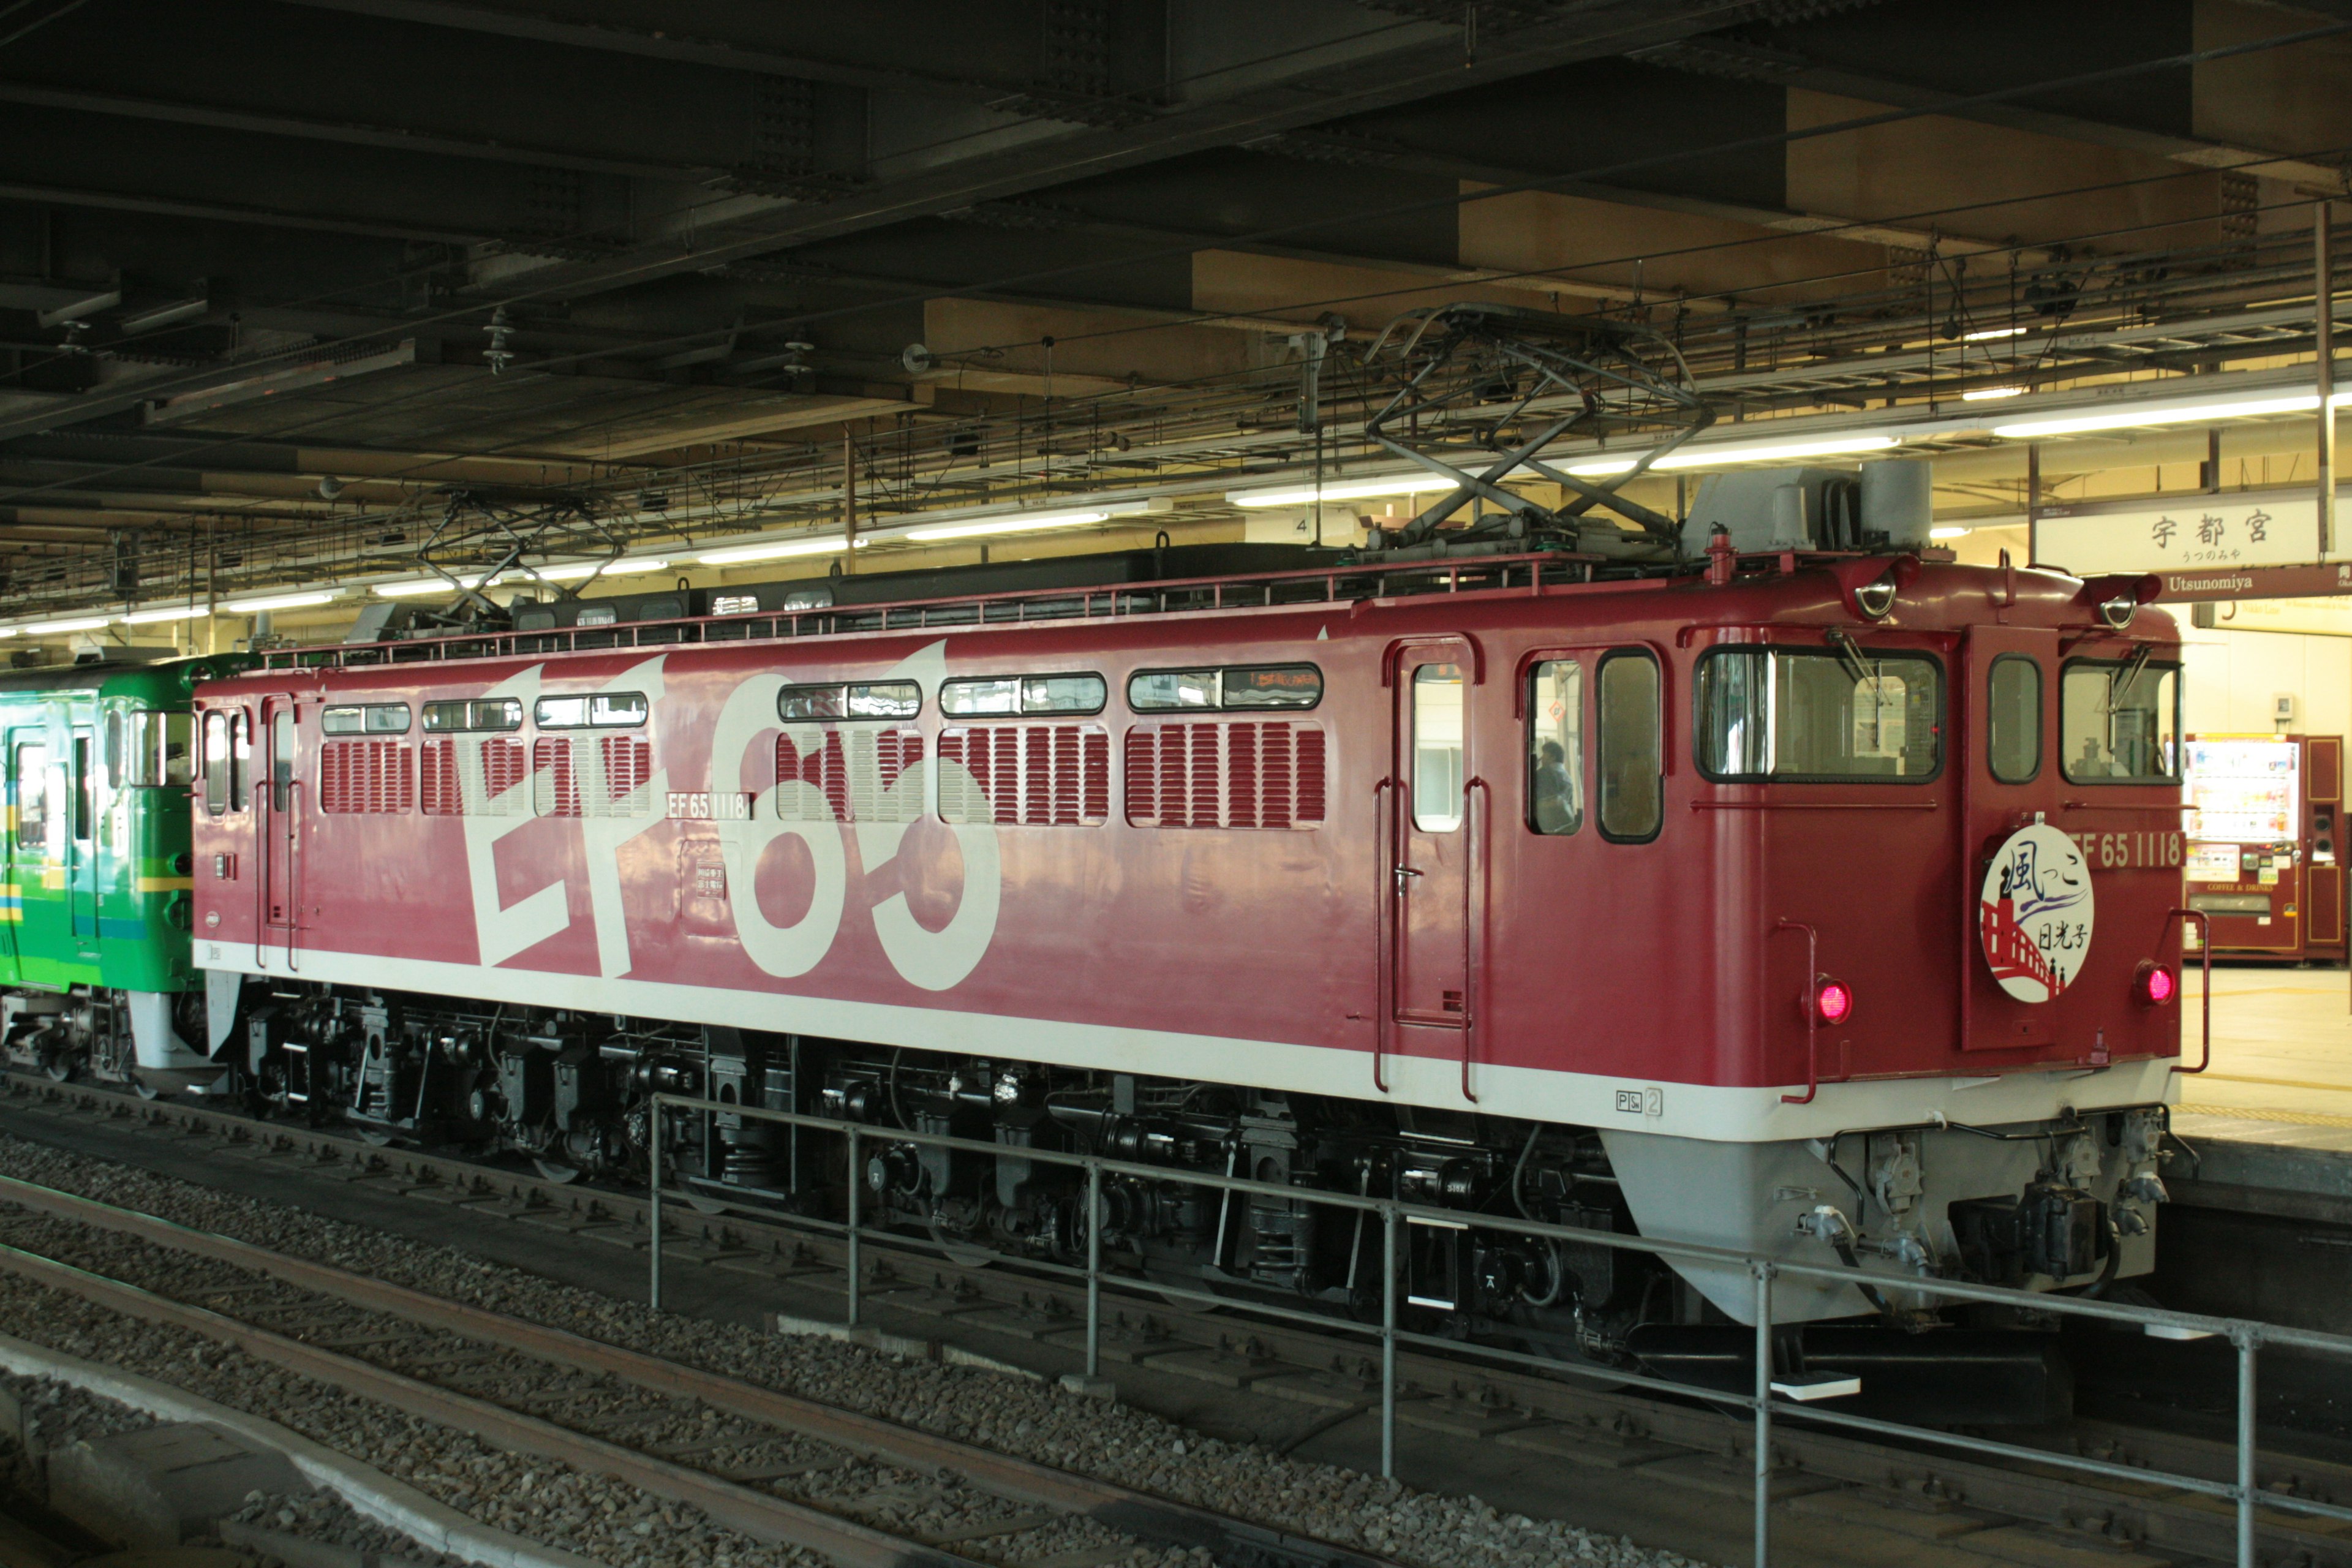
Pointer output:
x,y
1475,859
2205,988
1383,851
1813,1011
789,624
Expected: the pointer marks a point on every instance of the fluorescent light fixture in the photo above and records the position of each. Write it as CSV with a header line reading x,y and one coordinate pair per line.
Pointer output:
x,y
1741,452
1341,489
2144,414
1949,532
1990,394
1023,524
573,571
1989,333
416,587
775,551
157,617
281,602
58,628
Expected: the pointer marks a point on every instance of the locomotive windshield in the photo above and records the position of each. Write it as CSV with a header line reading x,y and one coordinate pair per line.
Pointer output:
x,y
1802,714
2119,721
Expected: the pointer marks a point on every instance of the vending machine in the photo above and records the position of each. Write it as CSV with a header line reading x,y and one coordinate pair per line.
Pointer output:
x,y
2261,845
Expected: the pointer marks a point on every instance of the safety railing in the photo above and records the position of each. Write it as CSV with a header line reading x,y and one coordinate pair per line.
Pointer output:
x,y
1772,1397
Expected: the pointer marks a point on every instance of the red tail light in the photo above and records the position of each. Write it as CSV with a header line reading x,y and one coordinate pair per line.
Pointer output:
x,y
2155,984
1833,1001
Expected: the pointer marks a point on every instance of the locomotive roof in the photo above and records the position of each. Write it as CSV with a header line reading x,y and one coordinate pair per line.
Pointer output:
x,y
166,682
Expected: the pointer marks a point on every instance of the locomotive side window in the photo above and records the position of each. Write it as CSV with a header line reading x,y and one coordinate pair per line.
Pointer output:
x,y
1556,747
2119,721
281,760
858,700
1262,686
240,759
482,714
375,719
1437,734
2013,719
32,798
601,710
217,762
1816,715
1633,795
1004,695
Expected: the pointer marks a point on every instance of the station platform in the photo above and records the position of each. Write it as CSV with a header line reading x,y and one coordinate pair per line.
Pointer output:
x,y
2268,1126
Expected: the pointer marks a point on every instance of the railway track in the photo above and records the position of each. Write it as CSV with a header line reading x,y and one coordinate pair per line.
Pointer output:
x,y
1886,1502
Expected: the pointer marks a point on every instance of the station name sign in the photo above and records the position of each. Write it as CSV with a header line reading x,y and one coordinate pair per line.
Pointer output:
x,y
2223,535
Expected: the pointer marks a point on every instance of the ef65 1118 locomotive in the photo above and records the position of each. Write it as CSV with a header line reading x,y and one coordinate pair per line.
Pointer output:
x,y
1812,904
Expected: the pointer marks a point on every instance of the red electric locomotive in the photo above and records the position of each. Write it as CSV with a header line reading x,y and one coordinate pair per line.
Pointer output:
x,y
1815,905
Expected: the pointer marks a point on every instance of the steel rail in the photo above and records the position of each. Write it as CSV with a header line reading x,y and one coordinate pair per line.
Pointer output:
x,y
1114,1506
2031,1496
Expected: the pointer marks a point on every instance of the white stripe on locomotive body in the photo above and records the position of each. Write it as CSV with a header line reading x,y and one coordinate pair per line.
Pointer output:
x,y
1709,1112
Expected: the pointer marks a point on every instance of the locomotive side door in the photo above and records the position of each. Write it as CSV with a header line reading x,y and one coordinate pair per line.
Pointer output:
x,y
2004,713
1433,823
278,820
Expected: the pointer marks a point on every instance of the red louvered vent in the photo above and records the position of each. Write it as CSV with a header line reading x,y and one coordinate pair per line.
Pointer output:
x,y
555,790
1026,775
821,769
1310,773
1235,774
438,793
628,767
365,776
505,764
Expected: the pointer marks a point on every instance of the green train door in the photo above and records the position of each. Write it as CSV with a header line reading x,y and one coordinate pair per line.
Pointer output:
x,y
82,839
26,764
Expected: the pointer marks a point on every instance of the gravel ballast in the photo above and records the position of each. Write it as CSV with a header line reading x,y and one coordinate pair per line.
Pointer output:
x,y
1013,1416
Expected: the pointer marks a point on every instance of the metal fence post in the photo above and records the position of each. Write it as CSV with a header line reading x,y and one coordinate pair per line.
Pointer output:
x,y
1763,1272
2248,1341
856,1187
1094,1269
653,1206
1388,1339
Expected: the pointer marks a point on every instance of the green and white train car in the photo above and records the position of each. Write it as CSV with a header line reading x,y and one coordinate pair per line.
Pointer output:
x,y
95,971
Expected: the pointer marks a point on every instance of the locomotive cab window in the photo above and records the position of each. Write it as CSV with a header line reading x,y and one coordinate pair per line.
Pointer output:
x,y
1437,734
2013,719
281,760
2119,721
240,758
1817,715
1630,752
1556,747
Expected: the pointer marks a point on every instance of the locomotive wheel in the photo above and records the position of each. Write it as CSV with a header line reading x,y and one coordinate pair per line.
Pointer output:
x,y
556,1171
960,1252
59,1070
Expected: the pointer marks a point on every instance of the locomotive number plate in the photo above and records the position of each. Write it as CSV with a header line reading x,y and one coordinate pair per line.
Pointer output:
x,y
2132,851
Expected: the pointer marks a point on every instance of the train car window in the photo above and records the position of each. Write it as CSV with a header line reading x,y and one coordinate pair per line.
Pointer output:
x,y
1437,733
342,721
114,770
1815,715
807,702
2013,719
281,760
1556,747
85,789
1274,686
1628,753
387,718
160,749
32,797
2119,721
601,710
1158,691
1001,696
217,762
240,759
